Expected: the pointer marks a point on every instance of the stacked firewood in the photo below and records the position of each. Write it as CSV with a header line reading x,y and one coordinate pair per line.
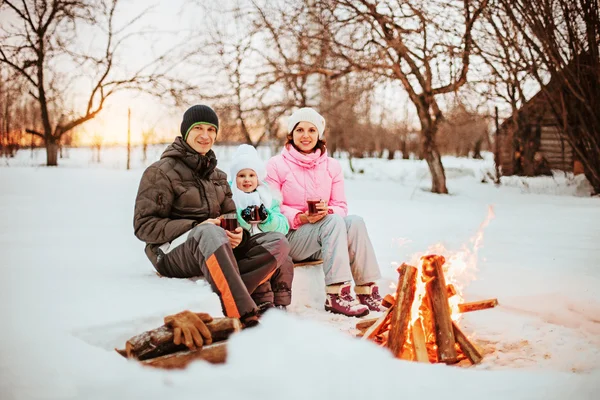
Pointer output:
x,y
155,348
419,327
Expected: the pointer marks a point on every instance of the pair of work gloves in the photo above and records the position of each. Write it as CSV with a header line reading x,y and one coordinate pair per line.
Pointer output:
x,y
263,214
192,326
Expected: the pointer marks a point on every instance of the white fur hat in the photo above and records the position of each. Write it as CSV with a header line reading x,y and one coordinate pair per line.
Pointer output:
x,y
244,157
309,115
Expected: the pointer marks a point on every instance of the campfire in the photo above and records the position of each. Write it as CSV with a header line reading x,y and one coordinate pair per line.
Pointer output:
x,y
421,322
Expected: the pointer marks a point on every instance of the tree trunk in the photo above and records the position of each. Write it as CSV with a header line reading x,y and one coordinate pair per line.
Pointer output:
x,y
390,155
51,153
432,156
404,149
438,177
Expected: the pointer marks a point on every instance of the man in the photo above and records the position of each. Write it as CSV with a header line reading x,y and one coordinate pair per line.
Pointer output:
x,y
177,210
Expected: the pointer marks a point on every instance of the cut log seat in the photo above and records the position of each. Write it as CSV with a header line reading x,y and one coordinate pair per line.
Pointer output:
x,y
307,263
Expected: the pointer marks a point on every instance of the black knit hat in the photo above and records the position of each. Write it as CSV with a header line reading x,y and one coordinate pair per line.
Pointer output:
x,y
198,114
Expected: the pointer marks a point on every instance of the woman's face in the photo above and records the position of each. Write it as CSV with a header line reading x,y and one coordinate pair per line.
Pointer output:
x,y
202,137
305,136
246,180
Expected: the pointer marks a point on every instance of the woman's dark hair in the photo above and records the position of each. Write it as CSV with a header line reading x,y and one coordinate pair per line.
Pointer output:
x,y
321,143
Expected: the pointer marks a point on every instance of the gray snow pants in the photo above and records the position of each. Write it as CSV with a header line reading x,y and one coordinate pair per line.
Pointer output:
x,y
260,270
344,245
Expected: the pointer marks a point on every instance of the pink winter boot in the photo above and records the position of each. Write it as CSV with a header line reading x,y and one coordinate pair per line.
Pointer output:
x,y
339,300
369,296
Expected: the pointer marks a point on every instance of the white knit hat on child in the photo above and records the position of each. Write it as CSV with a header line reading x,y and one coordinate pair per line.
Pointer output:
x,y
309,115
244,157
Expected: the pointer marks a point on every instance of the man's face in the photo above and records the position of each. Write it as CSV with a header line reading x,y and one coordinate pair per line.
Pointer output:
x,y
202,137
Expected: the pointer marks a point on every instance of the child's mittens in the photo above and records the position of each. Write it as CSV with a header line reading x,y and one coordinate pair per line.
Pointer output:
x,y
247,213
263,213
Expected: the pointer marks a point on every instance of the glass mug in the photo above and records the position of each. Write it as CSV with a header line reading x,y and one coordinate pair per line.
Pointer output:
x,y
312,205
229,222
255,216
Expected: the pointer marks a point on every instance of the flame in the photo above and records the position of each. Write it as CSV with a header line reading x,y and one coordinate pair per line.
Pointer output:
x,y
460,269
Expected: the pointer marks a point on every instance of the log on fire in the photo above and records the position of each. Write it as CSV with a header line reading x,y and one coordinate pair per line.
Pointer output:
x,y
401,312
477,305
159,342
366,324
438,294
469,350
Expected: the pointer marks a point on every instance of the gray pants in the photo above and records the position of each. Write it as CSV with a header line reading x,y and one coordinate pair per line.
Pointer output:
x,y
260,270
344,245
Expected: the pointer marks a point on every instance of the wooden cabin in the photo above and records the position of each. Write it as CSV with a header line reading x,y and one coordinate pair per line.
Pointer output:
x,y
531,141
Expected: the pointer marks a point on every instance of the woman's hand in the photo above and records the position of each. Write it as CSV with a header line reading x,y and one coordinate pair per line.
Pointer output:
x,y
323,210
235,237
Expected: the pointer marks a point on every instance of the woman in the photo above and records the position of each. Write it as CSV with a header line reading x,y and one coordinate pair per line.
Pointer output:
x,y
303,171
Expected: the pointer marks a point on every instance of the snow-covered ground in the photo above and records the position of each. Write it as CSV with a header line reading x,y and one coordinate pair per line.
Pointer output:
x,y
76,284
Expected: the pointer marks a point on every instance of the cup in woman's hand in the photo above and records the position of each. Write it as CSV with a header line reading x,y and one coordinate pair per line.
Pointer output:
x,y
229,222
312,205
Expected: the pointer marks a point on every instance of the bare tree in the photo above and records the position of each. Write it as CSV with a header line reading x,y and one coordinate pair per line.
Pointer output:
x,y
463,133
97,141
40,43
148,136
426,46
560,45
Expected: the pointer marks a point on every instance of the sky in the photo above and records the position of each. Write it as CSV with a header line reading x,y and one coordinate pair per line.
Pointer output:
x,y
168,23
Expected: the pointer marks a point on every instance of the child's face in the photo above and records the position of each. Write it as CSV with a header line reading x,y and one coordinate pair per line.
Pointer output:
x,y
246,180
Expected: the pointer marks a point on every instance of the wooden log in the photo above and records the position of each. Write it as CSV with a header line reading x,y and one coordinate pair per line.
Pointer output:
x,y
451,290
159,341
477,305
366,324
418,339
400,316
466,346
377,326
436,291
388,301
215,353
428,323
307,263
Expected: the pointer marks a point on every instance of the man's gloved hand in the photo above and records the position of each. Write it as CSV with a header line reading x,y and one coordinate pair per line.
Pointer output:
x,y
247,213
263,213
192,326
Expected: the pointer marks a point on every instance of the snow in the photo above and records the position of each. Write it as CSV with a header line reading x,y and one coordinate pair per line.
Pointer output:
x,y
76,284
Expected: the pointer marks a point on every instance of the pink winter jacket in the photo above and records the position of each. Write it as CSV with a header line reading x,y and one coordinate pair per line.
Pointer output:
x,y
299,176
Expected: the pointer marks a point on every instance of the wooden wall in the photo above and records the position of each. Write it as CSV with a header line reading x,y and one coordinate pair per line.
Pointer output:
x,y
555,149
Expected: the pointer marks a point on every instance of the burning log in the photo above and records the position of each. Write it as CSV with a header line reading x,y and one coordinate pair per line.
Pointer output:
x,y
388,301
477,305
401,314
377,326
366,324
215,353
159,342
419,343
466,346
437,292
451,290
430,336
